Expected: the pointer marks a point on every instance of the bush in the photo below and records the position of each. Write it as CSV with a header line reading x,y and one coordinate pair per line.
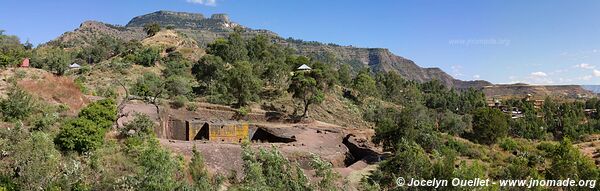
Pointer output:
x,y
141,126
37,161
157,169
489,125
178,86
179,102
509,144
148,56
270,170
79,83
192,107
149,86
202,180
103,113
17,106
80,135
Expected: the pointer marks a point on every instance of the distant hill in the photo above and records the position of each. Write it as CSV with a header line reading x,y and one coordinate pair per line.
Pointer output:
x,y
538,91
593,88
205,30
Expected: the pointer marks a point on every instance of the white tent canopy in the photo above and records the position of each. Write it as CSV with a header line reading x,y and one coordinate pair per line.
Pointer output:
x,y
74,65
304,67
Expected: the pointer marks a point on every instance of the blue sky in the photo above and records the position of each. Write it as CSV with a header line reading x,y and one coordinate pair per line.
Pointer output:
x,y
554,42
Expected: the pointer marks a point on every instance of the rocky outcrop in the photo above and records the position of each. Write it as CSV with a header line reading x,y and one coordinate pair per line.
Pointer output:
x,y
181,20
90,31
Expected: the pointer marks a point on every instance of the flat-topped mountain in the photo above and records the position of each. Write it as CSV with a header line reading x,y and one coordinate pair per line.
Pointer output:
x,y
182,20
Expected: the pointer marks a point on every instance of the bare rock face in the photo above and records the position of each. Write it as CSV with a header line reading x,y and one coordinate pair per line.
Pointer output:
x,y
181,20
221,17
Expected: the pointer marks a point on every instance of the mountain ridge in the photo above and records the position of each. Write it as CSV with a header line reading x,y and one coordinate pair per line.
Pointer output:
x,y
207,29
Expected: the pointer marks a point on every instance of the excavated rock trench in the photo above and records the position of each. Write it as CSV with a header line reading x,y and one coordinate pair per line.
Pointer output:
x,y
264,136
357,150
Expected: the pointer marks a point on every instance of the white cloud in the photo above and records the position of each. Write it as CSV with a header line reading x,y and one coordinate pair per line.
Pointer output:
x,y
456,70
585,66
538,74
204,2
586,78
596,73
476,76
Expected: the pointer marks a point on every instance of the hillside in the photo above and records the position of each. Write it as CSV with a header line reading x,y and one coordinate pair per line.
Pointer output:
x,y
539,92
204,30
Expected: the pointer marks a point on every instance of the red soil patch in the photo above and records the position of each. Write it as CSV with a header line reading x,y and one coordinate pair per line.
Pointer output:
x,y
56,89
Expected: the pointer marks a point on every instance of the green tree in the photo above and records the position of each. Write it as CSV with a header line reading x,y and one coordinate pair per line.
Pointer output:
x,y
12,51
306,88
365,84
102,112
489,125
175,68
17,106
157,168
413,123
148,56
270,170
149,86
244,85
52,59
36,162
568,162
324,171
200,176
178,86
410,161
231,50
209,70
455,124
151,29
81,135
344,75
140,126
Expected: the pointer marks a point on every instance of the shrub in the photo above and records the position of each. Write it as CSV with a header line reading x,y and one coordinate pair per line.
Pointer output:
x,y
80,135
202,180
489,125
148,56
509,144
324,171
141,125
270,170
38,162
103,113
17,106
243,111
79,83
192,107
178,86
179,102
157,169
149,86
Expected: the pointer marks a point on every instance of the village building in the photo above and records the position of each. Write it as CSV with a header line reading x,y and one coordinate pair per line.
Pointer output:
x,y
25,63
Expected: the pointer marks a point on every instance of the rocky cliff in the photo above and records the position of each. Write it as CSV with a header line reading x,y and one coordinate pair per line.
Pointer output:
x,y
181,20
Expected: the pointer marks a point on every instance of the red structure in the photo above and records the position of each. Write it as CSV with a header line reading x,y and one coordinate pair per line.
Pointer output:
x,y
25,63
